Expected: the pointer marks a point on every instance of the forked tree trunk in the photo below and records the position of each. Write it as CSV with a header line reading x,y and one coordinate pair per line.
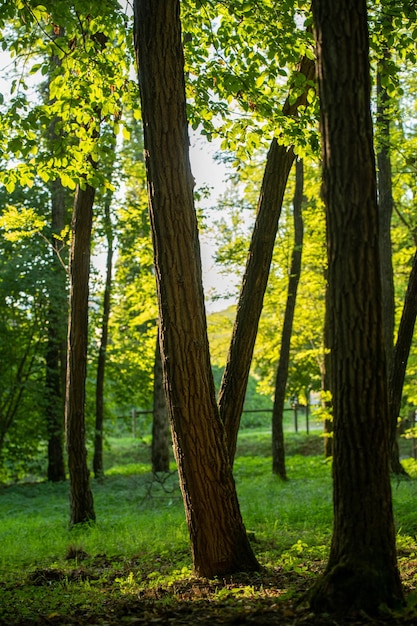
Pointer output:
x,y
361,572
218,537
278,448
235,377
81,497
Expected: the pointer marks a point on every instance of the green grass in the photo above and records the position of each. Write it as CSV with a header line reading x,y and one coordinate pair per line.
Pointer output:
x,y
136,513
128,520
140,540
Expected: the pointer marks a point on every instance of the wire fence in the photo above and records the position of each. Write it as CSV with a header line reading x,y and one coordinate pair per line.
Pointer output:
x,y
297,418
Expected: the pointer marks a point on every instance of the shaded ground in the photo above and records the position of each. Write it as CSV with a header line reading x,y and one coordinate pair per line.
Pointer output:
x,y
92,591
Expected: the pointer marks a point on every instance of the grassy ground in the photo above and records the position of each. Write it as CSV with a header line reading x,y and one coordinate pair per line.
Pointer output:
x,y
134,566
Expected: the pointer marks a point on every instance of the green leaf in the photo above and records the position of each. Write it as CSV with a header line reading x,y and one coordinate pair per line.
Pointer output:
x,y
10,186
35,68
260,80
67,181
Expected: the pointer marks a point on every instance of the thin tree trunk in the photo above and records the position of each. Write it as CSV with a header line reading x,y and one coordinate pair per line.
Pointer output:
x,y
161,431
24,367
218,538
386,204
56,352
402,346
56,348
98,466
278,448
235,377
81,497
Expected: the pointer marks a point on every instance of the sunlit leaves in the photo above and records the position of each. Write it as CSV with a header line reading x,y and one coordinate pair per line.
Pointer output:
x,y
18,223
240,59
131,351
86,89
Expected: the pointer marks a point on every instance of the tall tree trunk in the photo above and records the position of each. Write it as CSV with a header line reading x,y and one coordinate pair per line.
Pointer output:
x,y
218,537
56,352
98,467
161,431
235,377
81,497
361,572
278,448
56,347
402,348
386,204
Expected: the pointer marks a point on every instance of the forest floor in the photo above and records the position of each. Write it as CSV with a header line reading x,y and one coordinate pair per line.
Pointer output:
x,y
269,597
137,570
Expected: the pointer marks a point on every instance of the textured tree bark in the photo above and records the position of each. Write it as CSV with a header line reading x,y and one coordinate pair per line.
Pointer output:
x,y
362,572
81,497
98,466
278,448
235,377
218,538
161,431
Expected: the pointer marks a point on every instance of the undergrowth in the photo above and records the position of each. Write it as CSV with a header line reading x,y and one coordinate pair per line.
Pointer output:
x,y
137,554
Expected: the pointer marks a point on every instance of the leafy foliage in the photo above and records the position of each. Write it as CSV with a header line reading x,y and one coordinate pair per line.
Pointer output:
x,y
23,316
72,47
134,315
236,89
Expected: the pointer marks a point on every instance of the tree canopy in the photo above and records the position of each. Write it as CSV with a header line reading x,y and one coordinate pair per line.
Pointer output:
x,y
96,112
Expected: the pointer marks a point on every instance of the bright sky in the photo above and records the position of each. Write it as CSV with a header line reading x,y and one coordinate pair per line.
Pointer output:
x,y
207,173
212,174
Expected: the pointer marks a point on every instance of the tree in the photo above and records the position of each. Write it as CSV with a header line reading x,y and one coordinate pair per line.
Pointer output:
x,y
133,322
278,165
361,572
102,351
278,450
57,331
402,349
386,206
252,80
218,538
57,318
400,84
81,497
24,312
